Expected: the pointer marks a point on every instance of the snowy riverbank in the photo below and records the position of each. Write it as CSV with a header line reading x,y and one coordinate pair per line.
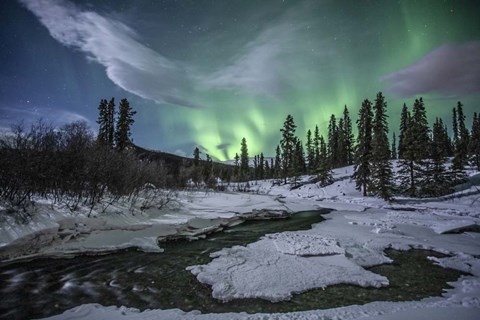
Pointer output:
x,y
282,264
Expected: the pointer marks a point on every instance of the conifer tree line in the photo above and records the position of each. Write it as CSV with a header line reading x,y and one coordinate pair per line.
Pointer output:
x,y
70,163
72,166
422,152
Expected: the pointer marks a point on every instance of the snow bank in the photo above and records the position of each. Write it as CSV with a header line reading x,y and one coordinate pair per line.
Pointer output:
x,y
55,230
276,266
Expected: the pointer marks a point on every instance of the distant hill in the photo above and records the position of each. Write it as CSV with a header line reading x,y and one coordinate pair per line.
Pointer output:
x,y
174,162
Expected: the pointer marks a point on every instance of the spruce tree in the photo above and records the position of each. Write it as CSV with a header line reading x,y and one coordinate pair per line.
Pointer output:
x,y
348,136
363,150
261,166
404,122
288,146
416,150
207,170
267,171
381,182
102,121
316,146
341,145
255,167
460,160
394,147
124,123
298,164
196,157
236,170
435,180
110,117
324,173
446,143
475,141
244,168
407,166
454,127
278,163
310,152
332,145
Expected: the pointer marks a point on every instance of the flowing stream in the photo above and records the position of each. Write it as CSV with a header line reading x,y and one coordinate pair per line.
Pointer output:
x,y
47,286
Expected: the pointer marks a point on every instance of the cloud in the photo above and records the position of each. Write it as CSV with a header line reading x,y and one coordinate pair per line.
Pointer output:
x,y
128,63
11,116
452,69
254,71
259,68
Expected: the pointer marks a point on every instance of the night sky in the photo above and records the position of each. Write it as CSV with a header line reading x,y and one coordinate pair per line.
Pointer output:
x,y
207,73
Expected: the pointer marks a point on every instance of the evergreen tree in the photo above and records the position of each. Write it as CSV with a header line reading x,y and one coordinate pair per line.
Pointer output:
x,y
332,145
416,151
298,165
278,163
267,171
460,160
363,151
244,168
288,146
455,127
310,152
236,170
124,123
348,136
261,166
475,141
342,148
444,139
196,157
208,170
381,182
404,122
394,147
435,180
110,117
255,167
102,121
316,146
324,173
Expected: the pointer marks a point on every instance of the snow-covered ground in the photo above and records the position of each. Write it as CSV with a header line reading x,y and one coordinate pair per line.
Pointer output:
x,y
282,264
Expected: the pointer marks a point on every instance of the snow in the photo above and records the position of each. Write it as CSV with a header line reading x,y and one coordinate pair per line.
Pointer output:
x,y
280,264
303,244
260,270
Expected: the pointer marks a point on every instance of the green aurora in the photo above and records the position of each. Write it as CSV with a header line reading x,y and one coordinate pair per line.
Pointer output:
x,y
224,70
337,58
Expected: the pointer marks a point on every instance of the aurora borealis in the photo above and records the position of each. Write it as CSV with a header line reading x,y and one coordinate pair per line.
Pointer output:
x,y
208,73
